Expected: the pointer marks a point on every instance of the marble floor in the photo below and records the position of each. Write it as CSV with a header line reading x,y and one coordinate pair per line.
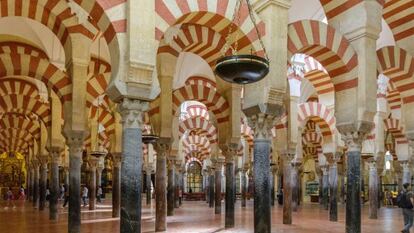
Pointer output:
x,y
195,217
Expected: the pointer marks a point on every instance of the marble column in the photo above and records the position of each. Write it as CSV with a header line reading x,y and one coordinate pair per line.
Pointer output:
x,y
230,152
373,190
148,183
66,176
93,162
243,182
353,186
31,183
54,182
162,147
36,177
342,189
99,169
74,140
406,173
177,187
320,176
333,190
116,185
273,179
218,176
287,189
43,181
295,185
211,188
132,112
171,188
325,187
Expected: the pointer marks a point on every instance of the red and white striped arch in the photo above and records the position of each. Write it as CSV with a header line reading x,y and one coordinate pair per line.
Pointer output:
x,y
198,123
393,97
395,128
214,14
22,48
318,76
399,16
15,121
328,47
40,69
247,133
321,115
15,138
195,151
99,72
197,111
10,85
198,80
311,138
398,66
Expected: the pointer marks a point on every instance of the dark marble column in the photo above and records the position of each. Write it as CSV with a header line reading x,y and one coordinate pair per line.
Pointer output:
x,y
353,200
373,190
43,181
320,175
31,182
162,147
148,183
171,188
342,189
243,182
131,164
177,187
181,187
272,184
116,185
325,187
99,169
74,140
295,185
333,191
92,182
380,191
287,190
54,183
36,177
217,209
211,188
230,151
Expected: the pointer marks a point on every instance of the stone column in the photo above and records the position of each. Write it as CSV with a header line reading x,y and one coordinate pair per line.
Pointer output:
x,y
148,183
211,187
116,185
230,151
244,186
373,190
36,177
325,187
333,188
31,183
218,176
162,147
406,173
66,176
295,185
132,112
99,169
54,182
74,140
43,181
93,162
287,189
171,187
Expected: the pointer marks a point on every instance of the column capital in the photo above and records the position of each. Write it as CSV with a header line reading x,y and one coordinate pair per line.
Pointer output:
x,y
163,146
261,5
116,159
35,163
353,140
229,151
43,160
55,154
405,164
93,162
262,124
132,111
75,139
372,165
324,170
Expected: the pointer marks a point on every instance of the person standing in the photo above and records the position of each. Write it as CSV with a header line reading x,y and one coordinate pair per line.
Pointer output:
x,y
405,201
85,196
9,199
99,194
66,196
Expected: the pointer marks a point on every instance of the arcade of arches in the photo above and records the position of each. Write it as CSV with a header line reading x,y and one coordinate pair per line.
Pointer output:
x,y
321,142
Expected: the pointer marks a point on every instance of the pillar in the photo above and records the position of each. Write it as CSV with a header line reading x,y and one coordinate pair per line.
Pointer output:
x,y
148,183
36,177
31,183
132,112
211,188
217,197
162,147
295,185
93,162
333,189
177,185
244,186
99,169
171,187
406,174
43,181
74,140
54,182
325,187
116,185
373,190
287,190
230,151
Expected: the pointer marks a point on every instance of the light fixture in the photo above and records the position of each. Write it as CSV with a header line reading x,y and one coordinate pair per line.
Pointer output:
x,y
241,68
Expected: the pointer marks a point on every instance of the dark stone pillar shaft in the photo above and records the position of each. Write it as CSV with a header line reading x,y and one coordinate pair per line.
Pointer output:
x,y
177,190
31,184
272,189
217,209
42,186
148,183
211,190
287,191
75,162
353,187
54,186
261,169
320,189
373,191
333,190
160,193
116,188
131,180
325,188
244,188
229,202
170,191
342,191
92,188
36,185
295,186
380,191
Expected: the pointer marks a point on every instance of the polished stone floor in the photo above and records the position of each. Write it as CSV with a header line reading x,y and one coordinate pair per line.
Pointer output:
x,y
193,217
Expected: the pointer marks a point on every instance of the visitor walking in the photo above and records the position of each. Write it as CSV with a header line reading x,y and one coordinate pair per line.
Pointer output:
x,y
405,201
66,196
9,199
85,196
22,195
62,192
99,194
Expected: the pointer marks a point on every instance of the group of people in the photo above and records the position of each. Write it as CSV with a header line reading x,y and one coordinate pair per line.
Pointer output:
x,y
84,195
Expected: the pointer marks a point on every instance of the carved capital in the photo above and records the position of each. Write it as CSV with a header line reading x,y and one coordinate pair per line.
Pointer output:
x,y
132,112
93,162
229,151
262,125
324,170
43,160
116,159
372,166
74,140
405,165
353,140
163,146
